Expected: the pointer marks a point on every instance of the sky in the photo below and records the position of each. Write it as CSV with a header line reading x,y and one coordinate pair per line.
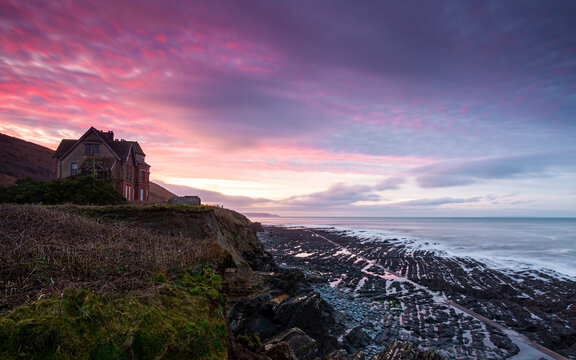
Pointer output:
x,y
326,108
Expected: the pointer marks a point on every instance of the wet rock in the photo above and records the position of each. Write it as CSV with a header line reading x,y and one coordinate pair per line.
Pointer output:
x,y
259,260
404,350
337,355
356,339
358,356
313,315
280,351
534,303
302,345
290,281
288,303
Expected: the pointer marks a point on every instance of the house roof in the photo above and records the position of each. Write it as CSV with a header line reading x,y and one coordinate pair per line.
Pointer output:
x,y
120,148
137,148
65,145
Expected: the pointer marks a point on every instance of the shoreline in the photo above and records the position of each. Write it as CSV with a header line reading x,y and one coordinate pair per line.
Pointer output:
x,y
350,272
526,249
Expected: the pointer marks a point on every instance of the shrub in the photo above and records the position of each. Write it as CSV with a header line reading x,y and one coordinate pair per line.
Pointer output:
x,y
80,190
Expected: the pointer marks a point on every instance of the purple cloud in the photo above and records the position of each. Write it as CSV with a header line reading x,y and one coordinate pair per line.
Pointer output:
x,y
470,171
342,194
435,202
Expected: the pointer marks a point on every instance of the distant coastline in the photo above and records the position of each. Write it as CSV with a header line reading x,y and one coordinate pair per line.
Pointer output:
x,y
261,215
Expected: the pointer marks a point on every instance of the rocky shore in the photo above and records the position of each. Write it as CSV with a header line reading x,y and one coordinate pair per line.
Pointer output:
x,y
382,291
287,315
198,282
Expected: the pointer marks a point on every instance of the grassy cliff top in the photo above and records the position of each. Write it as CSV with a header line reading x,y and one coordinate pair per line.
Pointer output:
x,y
45,250
76,287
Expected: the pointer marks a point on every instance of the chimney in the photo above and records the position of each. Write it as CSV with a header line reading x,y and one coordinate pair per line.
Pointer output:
x,y
108,135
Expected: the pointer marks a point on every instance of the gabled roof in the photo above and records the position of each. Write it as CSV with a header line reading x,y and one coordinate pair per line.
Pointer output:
x,y
137,148
105,140
64,146
121,149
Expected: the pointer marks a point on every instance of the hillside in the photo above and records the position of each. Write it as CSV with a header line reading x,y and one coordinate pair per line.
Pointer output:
x,y
159,194
20,159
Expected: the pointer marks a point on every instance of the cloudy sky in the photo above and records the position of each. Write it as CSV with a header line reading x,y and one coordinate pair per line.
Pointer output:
x,y
374,108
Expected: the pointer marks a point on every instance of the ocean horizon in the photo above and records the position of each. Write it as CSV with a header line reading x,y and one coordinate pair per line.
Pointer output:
x,y
509,243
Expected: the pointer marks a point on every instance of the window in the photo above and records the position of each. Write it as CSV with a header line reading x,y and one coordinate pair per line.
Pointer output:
x,y
142,175
99,171
74,168
141,194
92,149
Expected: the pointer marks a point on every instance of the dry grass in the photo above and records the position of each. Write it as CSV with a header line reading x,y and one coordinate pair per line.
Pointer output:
x,y
43,251
230,216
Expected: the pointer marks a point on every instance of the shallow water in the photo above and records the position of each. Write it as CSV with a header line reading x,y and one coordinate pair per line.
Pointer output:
x,y
509,243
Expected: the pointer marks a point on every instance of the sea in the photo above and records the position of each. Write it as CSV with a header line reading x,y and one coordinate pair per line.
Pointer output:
x,y
516,244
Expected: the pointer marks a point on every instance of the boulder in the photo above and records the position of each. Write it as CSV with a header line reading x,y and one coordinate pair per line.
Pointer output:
x,y
290,281
303,346
280,351
356,339
288,303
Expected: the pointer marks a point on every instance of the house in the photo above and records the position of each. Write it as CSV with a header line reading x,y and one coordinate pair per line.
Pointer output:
x,y
97,153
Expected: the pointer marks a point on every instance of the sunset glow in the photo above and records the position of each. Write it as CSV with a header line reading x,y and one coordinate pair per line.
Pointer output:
x,y
313,108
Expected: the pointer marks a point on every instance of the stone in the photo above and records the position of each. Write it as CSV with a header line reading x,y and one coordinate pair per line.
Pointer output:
x,y
280,351
356,339
358,356
184,200
405,350
304,347
337,355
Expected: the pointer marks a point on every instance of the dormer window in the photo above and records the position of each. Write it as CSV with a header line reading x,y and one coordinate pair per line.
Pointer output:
x,y
92,149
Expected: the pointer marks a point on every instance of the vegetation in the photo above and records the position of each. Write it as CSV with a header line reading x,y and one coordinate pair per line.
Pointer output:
x,y
76,190
173,321
76,288
129,212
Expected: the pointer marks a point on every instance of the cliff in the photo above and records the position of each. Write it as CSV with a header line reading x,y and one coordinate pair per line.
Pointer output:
x,y
154,282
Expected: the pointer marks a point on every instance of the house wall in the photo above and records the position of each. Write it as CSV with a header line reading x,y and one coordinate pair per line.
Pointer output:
x,y
143,187
125,178
77,155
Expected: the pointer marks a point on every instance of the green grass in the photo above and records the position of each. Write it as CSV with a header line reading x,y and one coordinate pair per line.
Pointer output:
x,y
174,321
98,211
72,287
